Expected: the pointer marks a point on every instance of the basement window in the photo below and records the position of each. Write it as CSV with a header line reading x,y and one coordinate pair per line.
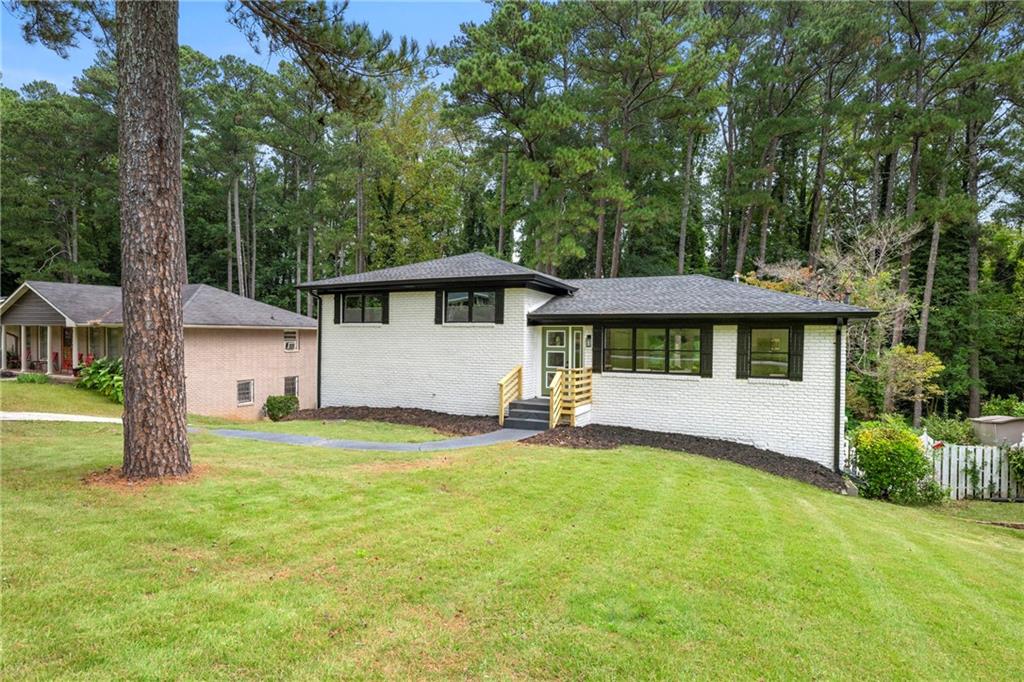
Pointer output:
x,y
291,385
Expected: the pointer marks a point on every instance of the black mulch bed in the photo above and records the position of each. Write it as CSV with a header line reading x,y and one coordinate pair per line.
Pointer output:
x,y
452,424
598,437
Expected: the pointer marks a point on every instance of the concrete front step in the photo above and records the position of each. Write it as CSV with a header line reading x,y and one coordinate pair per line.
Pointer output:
x,y
528,424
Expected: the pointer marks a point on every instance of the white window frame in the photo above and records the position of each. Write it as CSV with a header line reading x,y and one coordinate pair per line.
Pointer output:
x,y
252,391
285,387
287,342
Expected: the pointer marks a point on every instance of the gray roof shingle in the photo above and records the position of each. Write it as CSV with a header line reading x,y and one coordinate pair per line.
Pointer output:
x,y
468,266
685,296
204,305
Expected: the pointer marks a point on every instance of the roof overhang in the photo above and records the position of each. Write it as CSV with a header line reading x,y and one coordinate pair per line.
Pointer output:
x,y
719,318
538,282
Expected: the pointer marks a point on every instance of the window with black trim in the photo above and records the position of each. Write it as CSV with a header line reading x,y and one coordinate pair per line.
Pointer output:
x,y
664,350
243,391
769,353
291,385
470,306
362,308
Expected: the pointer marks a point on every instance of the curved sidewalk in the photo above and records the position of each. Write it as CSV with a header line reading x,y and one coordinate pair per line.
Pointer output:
x,y
54,417
499,436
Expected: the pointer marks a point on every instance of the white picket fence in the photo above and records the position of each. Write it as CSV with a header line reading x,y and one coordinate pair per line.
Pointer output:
x,y
966,471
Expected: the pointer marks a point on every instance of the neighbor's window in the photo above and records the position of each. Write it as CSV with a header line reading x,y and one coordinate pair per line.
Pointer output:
x,y
96,336
363,308
115,342
291,341
244,392
652,349
470,306
291,385
769,353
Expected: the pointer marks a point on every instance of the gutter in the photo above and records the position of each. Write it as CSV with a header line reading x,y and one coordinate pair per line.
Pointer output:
x,y
319,342
838,404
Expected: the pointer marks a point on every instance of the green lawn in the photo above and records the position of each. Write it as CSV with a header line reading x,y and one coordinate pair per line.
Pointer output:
x,y
54,397
344,429
510,561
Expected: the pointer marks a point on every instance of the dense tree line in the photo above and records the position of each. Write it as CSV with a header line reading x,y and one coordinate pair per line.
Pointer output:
x,y
869,150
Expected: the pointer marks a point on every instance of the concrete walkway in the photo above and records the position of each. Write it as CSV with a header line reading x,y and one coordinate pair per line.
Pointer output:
x,y
54,417
499,436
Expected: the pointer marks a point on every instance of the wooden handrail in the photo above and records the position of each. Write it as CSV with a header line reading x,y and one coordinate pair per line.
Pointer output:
x,y
555,406
510,387
575,389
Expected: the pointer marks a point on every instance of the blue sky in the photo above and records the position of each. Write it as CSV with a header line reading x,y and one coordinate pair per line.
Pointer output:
x,y
204,26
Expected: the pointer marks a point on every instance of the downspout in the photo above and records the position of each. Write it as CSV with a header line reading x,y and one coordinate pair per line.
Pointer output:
x,y
319,342
838,409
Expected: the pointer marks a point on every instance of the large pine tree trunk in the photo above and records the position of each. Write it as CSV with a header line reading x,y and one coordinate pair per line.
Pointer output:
x,y
360,206
239,259
814,238
252,233
973,368
231,273
602,211
501,206
684,217
152,240
767,163
929,279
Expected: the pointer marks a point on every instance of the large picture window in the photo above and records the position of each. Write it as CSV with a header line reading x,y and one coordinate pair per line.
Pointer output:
x,y
363,308
470,306
664,350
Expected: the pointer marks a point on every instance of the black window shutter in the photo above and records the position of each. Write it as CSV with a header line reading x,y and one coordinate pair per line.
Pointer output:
x,y
499,306
337,309
597,349
384,301
796,353
438,307
742,352
706,347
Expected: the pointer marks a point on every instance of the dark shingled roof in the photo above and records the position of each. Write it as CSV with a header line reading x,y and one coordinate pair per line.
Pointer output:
x,y
204,305
685,296
469,266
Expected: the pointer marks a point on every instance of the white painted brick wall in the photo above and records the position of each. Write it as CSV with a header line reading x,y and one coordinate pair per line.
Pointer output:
x,y
412,362
794,418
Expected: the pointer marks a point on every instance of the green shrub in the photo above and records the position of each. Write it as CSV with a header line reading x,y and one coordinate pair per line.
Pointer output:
x,y
955,430
892,459
32,378
1015,457
280,406
1011,406
105,376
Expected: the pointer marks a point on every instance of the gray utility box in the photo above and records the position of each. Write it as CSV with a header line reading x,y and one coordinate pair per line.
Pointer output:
x,y
999,430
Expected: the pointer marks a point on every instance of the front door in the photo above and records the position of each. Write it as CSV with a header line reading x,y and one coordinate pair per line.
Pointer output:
x,y
561,348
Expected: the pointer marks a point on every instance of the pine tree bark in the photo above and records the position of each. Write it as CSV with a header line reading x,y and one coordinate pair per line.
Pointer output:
x,y
814,238
252,234
619,222
231,273
152,240
684,218
767,163
602,211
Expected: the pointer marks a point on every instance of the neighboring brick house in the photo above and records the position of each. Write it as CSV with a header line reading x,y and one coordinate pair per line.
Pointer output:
x,y
237,351
686,354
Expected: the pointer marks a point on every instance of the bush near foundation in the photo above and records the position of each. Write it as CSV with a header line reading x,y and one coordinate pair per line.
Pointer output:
x,y
894,463
280,406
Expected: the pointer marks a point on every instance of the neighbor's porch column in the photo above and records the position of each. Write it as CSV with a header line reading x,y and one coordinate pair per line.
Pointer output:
x,y
49,348
3,346
23,351
74,347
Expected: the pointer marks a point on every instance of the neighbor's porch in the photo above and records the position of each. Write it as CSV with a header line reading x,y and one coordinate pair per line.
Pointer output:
x,y
57,349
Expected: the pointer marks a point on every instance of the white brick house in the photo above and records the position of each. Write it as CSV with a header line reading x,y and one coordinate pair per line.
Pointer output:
x,y
684,354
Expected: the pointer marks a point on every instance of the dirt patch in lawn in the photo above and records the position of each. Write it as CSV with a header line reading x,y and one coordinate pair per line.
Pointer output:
x,y
448,424
1003,524
599,437
111,478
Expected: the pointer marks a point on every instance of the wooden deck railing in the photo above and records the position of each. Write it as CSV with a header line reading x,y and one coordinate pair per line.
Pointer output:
x,y
573,387
555,389
510,387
